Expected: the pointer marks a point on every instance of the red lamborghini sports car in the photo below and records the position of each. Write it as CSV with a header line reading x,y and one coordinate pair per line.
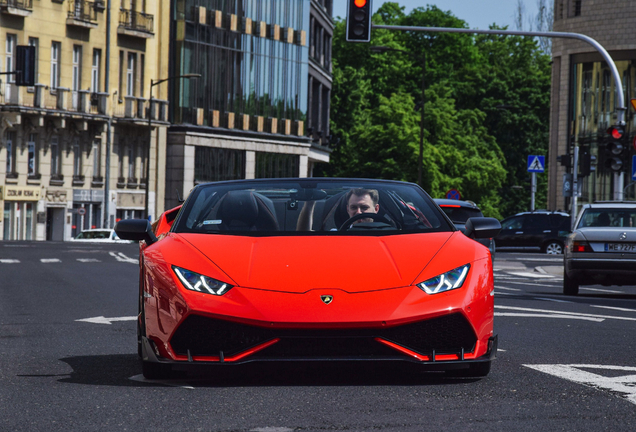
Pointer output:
x,y
313,269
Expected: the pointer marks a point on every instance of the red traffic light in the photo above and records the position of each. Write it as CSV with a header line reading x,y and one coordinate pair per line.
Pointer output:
x,y
360,3
616,132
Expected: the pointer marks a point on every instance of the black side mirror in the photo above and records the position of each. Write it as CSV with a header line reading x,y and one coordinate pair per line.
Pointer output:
x,y
482,227
135,229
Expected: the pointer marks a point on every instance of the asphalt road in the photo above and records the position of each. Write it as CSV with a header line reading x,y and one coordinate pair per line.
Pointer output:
x,y
69,362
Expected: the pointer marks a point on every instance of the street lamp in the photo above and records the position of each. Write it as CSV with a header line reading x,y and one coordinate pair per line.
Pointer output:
x,y
152,84
382,49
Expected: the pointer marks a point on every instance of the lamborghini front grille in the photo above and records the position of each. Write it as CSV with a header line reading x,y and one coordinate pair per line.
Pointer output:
x,y
203,336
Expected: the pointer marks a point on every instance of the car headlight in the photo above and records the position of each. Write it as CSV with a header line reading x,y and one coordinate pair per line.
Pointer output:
x,y
197,282
446,281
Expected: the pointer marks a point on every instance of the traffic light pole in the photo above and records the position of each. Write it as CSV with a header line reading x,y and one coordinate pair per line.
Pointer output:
x,y
620,95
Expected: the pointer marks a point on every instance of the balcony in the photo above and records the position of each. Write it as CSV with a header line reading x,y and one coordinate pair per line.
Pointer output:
x,y
21,8
137,24
82,13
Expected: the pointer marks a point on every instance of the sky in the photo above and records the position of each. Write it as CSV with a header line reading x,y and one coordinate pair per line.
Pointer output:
x,y
479,14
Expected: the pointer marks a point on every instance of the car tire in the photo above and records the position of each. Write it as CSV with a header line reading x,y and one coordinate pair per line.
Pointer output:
x,y
153,370
475,370
553,248
570,286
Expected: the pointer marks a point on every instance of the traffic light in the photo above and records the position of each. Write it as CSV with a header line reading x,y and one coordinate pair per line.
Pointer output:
x,y
615,149
587,163
359,21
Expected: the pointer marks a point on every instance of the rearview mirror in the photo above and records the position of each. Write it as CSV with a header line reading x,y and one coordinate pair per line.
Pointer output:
x,y
135,229
482,227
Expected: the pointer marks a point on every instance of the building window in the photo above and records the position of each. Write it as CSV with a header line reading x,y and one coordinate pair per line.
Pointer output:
x,y
577,7
216,164
131,162
55,65
77,157
11,152
33,154
97,158
277,165
76,84
97,59
55,156
34,42
130,74
10,51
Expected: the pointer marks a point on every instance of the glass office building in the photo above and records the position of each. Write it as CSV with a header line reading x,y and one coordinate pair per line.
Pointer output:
x,y
247,116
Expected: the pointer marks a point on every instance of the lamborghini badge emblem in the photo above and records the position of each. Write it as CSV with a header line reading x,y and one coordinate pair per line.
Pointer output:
x,y
326,299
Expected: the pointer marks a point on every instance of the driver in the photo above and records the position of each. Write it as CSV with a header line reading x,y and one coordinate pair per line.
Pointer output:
x,y
361,200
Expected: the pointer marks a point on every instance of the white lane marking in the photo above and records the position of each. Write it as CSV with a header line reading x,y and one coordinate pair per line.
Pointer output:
x,y
88,260
123,258
508,289
624,386
9,261
559,260
601,290
141,378
50,260
530,284
109,321
552,300
614,308
540,315
531,275
499,349
575,314
272,429
504,293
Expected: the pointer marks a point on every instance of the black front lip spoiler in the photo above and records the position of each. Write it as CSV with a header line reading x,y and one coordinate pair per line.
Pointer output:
x,y
149,355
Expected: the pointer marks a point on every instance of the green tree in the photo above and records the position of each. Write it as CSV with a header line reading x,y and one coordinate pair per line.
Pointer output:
x,y
485,110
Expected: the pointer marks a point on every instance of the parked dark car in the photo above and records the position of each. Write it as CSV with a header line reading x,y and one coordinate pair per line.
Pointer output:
x,y
459,212
539,230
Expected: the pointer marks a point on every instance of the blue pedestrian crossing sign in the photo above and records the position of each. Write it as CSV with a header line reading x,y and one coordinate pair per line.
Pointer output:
x,y
633,168
536,164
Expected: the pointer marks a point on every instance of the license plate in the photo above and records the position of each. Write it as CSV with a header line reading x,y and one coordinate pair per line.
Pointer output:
x,y
620,247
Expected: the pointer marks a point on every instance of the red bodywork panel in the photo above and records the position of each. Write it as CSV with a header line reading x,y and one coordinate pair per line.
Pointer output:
x,y
278,282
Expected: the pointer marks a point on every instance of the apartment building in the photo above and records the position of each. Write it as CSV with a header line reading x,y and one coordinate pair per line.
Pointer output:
x,y
80,148
584,102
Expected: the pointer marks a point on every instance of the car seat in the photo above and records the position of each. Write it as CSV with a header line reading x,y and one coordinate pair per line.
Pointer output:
x,y
246,211
603,220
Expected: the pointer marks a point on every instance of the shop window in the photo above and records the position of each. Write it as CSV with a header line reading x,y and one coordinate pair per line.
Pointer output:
x,y
216,164
277,165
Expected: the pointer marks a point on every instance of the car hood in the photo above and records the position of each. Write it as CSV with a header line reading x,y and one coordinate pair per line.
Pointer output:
x,y
351,263
608,234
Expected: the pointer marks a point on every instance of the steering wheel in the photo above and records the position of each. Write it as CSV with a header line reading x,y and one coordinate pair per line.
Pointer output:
x,y
376,218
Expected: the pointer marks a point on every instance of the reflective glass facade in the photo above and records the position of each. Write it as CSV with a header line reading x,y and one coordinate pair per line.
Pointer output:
x,y
592,111
253,59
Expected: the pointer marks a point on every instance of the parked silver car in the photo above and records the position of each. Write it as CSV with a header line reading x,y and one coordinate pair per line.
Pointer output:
x,y
602,247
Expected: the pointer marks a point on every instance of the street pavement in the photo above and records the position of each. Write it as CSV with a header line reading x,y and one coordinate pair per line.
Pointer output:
x,y
69,362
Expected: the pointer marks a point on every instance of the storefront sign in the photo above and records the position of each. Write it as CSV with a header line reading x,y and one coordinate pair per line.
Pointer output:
x,y
21,193
88,195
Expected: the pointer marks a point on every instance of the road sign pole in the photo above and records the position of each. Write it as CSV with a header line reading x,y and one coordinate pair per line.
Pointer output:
x,y
575,184
533,190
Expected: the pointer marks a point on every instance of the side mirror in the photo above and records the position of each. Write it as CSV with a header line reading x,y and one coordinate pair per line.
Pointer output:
x,y
135,229
482,227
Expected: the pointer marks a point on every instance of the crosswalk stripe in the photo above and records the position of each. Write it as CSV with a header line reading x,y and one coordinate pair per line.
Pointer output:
x,y
9,261
88,260
50,260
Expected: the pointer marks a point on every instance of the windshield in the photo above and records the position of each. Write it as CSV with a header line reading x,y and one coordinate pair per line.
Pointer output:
x,y
305,207
608,217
